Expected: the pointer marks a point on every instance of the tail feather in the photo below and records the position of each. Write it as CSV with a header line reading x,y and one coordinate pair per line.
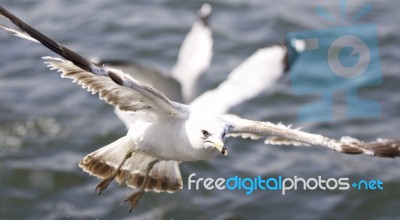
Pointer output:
x,y
102,162
165,176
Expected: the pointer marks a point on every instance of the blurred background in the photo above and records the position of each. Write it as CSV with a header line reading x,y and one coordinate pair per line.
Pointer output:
x,y
47,125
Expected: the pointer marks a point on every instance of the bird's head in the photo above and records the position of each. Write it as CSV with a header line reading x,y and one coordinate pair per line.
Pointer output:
x,y
208,133
214,140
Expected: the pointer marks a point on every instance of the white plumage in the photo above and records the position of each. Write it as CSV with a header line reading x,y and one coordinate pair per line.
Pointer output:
x,y
195,54
164,132
256,73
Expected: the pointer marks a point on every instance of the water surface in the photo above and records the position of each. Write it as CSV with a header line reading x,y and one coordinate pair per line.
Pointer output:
x,y
48,124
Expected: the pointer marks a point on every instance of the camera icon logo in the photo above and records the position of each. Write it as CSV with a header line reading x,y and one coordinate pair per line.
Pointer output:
x,y
343,58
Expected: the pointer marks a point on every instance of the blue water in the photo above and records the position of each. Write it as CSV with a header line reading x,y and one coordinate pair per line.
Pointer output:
x,y
48,124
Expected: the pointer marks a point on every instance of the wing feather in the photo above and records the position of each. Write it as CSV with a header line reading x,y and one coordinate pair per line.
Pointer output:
x,y
115,87
259,71
130,96
278,134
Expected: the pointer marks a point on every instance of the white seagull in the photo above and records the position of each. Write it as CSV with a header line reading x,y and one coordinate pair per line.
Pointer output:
x,y
194,58
259,71
167,132
266,66
195,54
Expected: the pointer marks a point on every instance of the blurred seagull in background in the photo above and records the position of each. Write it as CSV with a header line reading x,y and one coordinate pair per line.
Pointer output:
x,y
259,71
195,54
194,59
165,132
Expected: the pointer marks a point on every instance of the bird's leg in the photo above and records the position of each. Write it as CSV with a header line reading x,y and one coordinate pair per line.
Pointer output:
x,y
135,197
106,181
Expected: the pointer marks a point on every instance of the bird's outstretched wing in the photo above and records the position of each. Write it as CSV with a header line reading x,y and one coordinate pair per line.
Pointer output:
x,y
115,87
284,135
258,72
147,74
195,54
261,70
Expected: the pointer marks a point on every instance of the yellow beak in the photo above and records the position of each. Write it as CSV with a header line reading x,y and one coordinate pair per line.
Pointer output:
x,y
220,147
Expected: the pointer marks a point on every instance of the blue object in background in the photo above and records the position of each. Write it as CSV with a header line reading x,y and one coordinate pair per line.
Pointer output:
x,y
336,59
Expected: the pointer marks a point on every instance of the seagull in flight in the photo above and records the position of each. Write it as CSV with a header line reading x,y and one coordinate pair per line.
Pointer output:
x,y
165,132
180,83
195,54
267,65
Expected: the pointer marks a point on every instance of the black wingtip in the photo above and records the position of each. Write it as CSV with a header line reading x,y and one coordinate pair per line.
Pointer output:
x,y
56,47
114,77
385,148
389,149
297,46
380,148
286,63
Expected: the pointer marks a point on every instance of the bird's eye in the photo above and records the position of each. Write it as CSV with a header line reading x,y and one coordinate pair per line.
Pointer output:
x,y
205,133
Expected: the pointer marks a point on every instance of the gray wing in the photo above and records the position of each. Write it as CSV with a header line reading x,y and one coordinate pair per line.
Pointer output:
x,y
164,83
278,134
147,74
115,87
118,89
